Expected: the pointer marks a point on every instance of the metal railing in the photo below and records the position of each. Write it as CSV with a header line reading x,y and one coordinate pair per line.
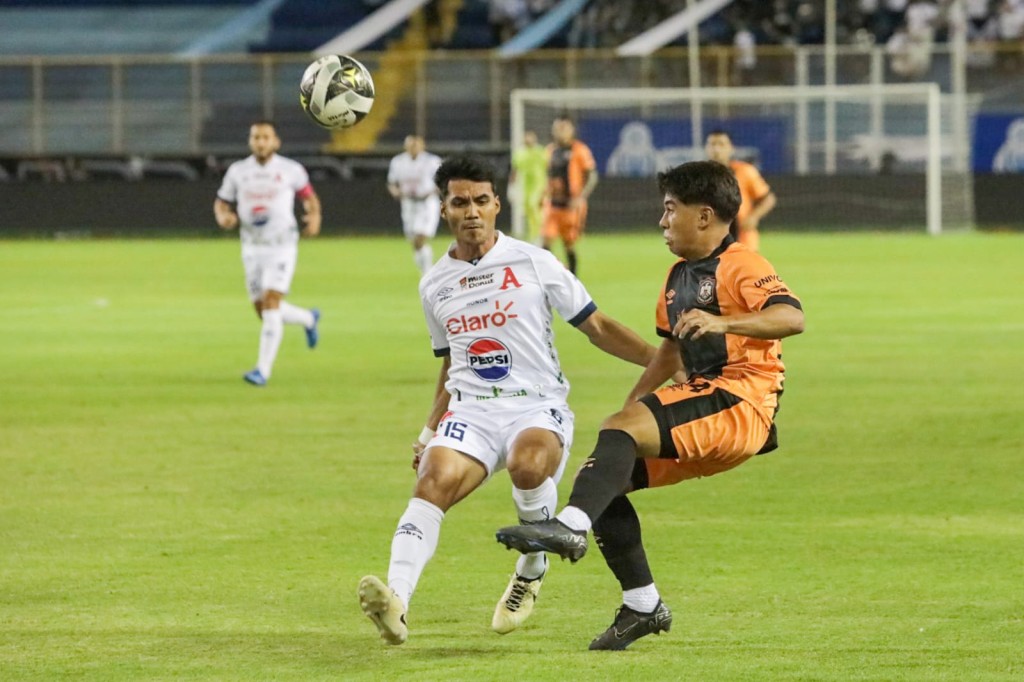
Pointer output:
x,y
168,106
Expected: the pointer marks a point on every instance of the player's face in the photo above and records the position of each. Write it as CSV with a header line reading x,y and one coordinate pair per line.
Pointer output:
x,y
719,148
681,226
471,210
563,131
530,139
263,141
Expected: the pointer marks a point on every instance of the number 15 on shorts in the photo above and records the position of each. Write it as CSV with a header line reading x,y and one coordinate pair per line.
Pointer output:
x,y
452,429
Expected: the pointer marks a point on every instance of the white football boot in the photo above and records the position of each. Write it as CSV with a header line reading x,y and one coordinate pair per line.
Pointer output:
x,y
385,608
516,605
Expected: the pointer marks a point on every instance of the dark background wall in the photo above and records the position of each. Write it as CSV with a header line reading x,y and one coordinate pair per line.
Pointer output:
x,y
162,207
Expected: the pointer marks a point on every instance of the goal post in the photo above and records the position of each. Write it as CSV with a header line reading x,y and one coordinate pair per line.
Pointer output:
x,y
839,157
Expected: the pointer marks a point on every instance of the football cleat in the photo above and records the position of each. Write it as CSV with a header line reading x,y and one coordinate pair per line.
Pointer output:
x,y
630,625
516,605
313,333
545,536
255,377
381,605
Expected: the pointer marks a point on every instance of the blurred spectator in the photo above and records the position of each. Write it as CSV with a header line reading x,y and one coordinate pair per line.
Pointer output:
x,y
745,45
909,55
507,17
1010,25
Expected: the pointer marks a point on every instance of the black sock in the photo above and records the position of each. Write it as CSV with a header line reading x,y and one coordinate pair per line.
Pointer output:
x,y
571,257
617,533
606,473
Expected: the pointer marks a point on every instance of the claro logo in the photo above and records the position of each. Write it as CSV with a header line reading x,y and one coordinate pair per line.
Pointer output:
x,y
499,317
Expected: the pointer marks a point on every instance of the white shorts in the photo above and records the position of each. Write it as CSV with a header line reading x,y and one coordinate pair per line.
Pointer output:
x,y
268,268
487,434
421,216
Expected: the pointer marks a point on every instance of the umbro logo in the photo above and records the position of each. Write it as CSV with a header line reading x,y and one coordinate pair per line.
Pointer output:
x,y
409,529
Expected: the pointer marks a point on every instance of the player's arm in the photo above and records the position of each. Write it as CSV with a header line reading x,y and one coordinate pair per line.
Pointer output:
x,y
312,215
759,210
617,339
224,214
437,410
665,363
773,322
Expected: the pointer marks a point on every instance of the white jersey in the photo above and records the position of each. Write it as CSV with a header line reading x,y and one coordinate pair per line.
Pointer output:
x,y
265,198
414,177
494,320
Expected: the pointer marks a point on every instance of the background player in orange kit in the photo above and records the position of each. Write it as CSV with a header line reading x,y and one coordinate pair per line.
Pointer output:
x,y
572,176
758,200
722,313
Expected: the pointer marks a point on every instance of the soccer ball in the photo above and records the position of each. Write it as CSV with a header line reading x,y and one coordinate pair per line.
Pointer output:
x,y
336,91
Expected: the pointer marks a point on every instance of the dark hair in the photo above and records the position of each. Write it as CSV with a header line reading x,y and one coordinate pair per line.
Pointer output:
x,y
567,118
463,167
719,131
703,182
264,122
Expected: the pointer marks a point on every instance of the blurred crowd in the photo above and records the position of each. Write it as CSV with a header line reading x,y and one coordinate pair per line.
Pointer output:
x,y
607,23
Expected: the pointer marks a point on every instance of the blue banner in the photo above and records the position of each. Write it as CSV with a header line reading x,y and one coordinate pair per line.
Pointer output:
x,y
999,143
634,147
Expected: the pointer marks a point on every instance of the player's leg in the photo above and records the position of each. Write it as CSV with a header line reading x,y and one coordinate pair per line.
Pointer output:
x,y
282,272
549,228
445,476
617,534
422,253
536,460
570,231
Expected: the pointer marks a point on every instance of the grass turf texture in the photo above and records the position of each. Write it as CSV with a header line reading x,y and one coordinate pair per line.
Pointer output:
x,y
160,519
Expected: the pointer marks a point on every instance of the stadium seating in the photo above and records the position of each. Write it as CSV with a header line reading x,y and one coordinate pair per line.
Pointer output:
x,y
95,28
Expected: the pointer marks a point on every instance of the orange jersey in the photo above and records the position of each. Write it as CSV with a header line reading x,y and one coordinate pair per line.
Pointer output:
x,y
567,171
752,187
731,280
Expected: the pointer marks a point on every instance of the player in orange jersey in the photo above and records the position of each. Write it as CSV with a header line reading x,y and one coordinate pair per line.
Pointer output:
x,y
572,176
721,313
758,198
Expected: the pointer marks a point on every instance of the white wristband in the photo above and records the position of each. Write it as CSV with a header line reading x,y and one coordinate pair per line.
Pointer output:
x,y
425,435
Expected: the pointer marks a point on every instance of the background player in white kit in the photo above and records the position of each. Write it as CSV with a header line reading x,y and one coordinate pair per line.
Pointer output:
x,y
501,397
411,181
258,197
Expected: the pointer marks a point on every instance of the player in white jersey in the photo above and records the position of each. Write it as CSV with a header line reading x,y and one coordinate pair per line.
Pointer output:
x,y
411,182
500,399
258,197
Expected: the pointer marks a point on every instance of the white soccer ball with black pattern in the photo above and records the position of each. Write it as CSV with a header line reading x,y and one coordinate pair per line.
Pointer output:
x,y
336,91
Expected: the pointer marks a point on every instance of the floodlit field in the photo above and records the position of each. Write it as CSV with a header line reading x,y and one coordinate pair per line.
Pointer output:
x,y
162,520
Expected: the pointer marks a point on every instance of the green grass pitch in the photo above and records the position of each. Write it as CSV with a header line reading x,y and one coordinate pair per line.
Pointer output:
x,y
162,520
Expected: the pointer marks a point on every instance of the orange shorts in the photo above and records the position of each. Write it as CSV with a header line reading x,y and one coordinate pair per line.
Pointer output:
x,y
566,223
705,430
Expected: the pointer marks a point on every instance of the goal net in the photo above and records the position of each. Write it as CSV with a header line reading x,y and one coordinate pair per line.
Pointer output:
x,y
883,157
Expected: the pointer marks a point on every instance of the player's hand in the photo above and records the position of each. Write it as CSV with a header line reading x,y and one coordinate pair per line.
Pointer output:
x,y
694,324
228,221
417,454
312,228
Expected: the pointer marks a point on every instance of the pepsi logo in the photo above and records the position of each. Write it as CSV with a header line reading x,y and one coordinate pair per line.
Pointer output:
x,y
489,359
260,216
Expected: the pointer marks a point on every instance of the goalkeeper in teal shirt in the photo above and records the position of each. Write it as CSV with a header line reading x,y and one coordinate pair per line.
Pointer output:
x,y
530,171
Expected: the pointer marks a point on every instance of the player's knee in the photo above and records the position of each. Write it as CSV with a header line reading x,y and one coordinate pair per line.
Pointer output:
x,y
271,300
529,468
438,485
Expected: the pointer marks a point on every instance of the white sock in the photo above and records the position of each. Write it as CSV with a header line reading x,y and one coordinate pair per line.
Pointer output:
x,y
414,543
270,340
642,599
293,314
424,257
575,518
534,505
